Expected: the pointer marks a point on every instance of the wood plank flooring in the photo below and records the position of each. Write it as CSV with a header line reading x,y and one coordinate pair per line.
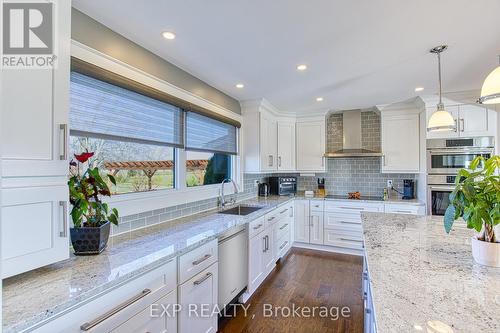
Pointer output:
x,y
305,278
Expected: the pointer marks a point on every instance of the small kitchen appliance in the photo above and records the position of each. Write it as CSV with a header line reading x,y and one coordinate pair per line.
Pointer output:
x,y
263,189
408,189
282,185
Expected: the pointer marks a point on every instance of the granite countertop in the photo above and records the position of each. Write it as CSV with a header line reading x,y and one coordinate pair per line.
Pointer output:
x,y
420,276
396,200
63,285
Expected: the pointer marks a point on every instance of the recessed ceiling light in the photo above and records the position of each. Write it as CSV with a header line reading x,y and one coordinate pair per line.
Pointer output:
x,y
319,99
417,89
240,86
301,67
168,35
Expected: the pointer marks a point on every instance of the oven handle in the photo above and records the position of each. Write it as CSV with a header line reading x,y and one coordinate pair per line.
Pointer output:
x,y
465,151
443,187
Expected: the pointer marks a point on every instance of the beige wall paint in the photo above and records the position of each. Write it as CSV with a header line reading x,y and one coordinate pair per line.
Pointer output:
x,y
88,31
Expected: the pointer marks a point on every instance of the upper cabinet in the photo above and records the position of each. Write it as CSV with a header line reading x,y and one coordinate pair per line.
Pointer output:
x,y
400,142
286,146
34,133
471,121
268,139
310,145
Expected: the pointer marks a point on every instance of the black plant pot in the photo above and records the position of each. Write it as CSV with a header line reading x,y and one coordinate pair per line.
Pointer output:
x,y
89,241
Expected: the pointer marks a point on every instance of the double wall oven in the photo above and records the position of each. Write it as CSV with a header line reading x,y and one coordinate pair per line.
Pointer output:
x,y
445,157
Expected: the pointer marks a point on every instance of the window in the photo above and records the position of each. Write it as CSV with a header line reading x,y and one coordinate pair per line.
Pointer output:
x,y
204,168
136,133
137,167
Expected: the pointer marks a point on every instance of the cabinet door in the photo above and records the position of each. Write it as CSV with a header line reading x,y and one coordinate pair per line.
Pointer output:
x,y
256,247
445,134
153,321
268,261
34,103
268,143
286,146
473,120
316,233
302,220
310,146
197,294
34,228
400,143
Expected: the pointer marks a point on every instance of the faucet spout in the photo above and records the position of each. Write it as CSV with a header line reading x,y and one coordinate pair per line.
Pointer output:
x,y
222,199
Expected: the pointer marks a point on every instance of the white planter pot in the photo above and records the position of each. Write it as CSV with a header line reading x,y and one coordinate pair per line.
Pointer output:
x,y
486,253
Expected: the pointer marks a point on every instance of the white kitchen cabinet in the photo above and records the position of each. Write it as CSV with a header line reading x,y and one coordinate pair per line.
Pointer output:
x,y
122,309
152,318
302,221
316,233
268,143
256,248
402,208
286,146
310,138
34,136
198,296
400,143
268,260
471,121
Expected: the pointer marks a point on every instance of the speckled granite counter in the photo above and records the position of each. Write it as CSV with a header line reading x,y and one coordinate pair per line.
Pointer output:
x,y
420,274
32,297
396,200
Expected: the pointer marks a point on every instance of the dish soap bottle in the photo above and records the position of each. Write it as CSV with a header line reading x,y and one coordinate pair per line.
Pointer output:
x,y
386,194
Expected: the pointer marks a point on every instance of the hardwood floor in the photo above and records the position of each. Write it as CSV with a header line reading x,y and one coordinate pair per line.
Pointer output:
x,y
305,278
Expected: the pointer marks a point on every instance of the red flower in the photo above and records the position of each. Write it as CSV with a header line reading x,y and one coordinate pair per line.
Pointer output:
x,y
83,157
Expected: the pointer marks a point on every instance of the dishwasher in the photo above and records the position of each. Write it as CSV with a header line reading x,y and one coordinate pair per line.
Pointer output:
x,y
233,265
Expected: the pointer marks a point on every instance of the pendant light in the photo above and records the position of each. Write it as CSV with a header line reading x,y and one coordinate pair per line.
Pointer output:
x,y
490,93
441,120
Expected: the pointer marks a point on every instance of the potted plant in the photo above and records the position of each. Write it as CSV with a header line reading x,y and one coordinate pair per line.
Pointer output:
x,y
91,217
476,199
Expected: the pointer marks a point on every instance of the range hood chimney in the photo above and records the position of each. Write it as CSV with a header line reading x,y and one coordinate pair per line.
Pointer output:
x,y
351,138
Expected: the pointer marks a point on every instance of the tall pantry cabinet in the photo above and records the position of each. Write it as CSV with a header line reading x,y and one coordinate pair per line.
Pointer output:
x,y
34,134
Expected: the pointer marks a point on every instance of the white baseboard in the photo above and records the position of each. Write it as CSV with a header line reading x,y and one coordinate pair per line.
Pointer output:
x,y
327,248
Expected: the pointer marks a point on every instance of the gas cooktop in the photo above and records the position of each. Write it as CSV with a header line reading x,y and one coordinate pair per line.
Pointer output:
x,y
369,198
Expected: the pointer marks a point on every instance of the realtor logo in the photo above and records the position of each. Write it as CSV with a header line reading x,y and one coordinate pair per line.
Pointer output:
x,y
28,35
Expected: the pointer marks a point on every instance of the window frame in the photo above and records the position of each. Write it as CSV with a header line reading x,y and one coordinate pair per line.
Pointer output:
x,y
137,202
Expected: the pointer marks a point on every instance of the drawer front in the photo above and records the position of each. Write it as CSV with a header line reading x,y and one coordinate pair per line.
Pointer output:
x,y
402,209
197,260
283,228
317,205
109,311
284,211
283,245
343,238
273,217
256,226
152,318
353,207
342,220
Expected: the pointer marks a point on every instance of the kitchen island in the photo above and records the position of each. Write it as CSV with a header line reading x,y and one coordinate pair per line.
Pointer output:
x,y
423,280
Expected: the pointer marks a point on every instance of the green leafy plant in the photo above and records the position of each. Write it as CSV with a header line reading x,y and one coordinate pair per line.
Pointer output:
x,y
476,198
85,191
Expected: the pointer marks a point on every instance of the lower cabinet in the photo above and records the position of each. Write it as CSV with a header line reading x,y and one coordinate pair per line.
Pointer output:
x,y
316,227
198,297
370,324
398,208
260,257
302,221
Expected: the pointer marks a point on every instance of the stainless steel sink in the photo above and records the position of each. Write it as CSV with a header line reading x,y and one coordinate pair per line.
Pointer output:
x,y
240,210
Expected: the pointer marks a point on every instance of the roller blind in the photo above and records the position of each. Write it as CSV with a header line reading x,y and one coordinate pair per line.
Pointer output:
x,y
208,134
101,109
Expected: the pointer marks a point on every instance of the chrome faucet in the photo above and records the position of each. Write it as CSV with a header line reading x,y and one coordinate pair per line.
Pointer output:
x,y
222,199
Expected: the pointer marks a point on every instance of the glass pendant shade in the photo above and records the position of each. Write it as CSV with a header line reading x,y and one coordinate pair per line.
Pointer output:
x,y
440,121
490,93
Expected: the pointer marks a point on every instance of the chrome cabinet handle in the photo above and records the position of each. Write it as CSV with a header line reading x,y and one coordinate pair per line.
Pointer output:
x,y
64,232
199,261
270,219
383,160
353,208
270,160
291,212
265,244
347,222
257,227
283,245
203,279
91,324
462,124
351,240
404,211
279,161
456,126
284,226
284,211
63,128
322,161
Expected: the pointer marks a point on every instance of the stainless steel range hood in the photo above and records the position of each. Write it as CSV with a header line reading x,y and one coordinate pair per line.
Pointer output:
x,y
351,138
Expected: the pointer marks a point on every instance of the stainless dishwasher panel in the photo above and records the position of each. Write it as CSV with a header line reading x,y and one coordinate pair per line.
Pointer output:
x,y
233,266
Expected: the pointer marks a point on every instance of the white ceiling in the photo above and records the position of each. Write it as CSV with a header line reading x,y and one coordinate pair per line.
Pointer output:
x,y
360,53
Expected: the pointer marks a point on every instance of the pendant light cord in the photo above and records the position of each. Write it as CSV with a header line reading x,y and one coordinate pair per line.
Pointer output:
x,y
439,71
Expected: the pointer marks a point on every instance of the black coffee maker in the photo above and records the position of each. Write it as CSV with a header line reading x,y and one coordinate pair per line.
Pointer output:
x,y
408,189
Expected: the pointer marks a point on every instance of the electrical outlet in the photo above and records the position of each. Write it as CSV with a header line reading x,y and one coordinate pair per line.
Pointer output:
x,y
256,183
389,183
